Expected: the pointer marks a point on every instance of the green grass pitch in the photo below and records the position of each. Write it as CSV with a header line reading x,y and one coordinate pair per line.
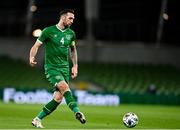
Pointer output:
x,y
19,116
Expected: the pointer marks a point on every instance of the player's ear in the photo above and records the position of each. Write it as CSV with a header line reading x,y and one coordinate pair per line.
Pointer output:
x,y
63,17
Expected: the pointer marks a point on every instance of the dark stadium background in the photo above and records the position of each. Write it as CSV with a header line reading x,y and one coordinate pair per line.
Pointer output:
x,y
130,48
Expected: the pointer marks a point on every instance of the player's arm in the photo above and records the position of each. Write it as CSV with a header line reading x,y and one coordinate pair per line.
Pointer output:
x,y
74,58
33,52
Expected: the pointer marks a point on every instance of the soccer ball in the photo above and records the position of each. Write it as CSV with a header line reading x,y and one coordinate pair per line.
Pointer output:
x,y
130,119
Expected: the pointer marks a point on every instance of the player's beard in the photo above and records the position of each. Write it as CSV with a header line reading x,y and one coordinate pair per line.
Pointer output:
x,y
67,25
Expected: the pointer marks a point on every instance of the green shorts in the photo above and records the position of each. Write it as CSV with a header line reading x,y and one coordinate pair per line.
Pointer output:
x,y
54,76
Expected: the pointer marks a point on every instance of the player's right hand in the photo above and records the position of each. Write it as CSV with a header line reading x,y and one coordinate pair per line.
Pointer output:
x,y
32,61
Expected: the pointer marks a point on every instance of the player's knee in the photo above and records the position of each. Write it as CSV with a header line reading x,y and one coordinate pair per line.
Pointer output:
x,y
63,87
58,96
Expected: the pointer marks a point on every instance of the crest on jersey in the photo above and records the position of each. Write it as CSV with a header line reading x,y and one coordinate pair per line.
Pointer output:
x,y
68,37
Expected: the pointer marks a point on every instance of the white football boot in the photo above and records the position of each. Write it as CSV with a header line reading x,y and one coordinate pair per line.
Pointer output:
x,y
37,123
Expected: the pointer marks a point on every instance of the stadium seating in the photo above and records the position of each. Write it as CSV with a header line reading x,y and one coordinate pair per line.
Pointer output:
x,y
133,78
17,73
116,78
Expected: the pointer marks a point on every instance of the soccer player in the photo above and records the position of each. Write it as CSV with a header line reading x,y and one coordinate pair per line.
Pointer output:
x,y
58,40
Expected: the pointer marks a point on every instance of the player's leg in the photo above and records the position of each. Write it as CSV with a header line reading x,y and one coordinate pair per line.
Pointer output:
x,y
51,106
63,87
47,109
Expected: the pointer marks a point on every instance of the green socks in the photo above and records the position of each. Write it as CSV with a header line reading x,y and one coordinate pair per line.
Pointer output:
x,y
41,115
70,101
52,105
47,109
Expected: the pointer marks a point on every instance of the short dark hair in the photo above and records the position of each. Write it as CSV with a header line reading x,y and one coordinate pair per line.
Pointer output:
x,y
65,11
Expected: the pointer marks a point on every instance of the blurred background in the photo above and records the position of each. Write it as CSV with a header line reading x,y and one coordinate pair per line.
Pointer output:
x,y
128,50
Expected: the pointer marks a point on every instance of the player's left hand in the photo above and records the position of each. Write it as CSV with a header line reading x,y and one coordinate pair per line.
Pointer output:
x,y
74,72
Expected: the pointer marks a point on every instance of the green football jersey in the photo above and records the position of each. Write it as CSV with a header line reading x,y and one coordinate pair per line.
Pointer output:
x,y
57,43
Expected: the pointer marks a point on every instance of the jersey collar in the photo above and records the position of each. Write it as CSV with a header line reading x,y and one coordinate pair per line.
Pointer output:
x,y
60,29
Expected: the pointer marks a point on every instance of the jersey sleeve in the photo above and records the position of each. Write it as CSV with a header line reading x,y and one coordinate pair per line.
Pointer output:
x,y
73,41
43,36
